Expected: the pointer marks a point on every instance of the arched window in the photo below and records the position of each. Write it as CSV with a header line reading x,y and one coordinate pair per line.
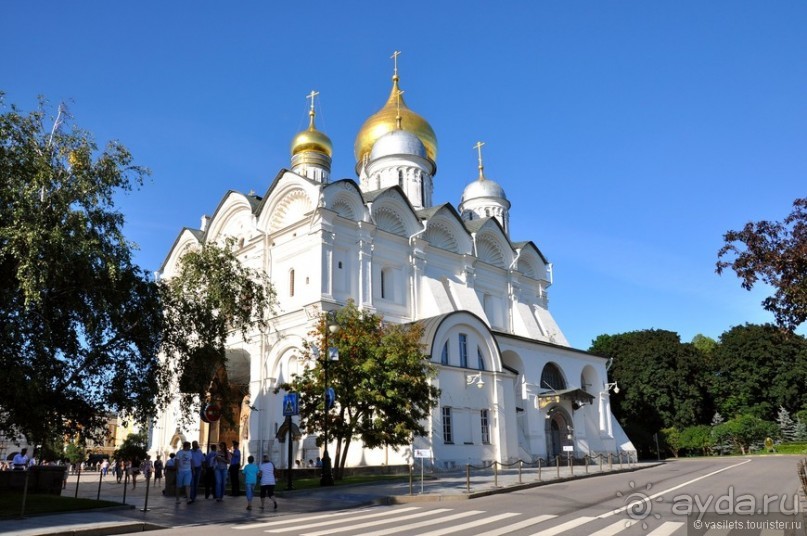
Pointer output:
x,y
481,359
552,378
463,350
444,355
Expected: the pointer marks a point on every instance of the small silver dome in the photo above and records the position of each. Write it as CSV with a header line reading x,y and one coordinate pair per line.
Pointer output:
x,y
397,142
483,188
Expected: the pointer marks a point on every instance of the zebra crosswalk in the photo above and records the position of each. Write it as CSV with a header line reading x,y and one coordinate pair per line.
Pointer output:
x,y
427,521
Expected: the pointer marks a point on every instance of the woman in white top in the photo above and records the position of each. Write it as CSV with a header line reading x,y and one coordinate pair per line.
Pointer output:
x,y
266,474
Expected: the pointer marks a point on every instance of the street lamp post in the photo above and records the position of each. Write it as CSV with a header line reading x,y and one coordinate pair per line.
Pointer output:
x,y
327,474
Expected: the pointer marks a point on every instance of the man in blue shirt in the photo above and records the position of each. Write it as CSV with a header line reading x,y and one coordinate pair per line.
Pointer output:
x,y
210,472
197,457
235,471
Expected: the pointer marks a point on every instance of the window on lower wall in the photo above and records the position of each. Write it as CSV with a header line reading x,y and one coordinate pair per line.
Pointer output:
x,y
448,436
485,422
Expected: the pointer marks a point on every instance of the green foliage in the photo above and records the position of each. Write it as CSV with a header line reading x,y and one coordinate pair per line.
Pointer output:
x,y
758,369
743,431
75,453
661,379
79,322
697,439
705,345
134,447
670,439
212,295
773,252
381,380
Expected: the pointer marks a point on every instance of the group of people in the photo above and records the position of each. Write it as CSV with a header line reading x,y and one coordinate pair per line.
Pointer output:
x,y
215,468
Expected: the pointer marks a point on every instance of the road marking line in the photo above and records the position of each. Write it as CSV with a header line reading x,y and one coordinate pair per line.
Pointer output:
x,y
341,520
423,523
286,521
380,522
666,528
518,526
679,486
565,526
470,525
615,528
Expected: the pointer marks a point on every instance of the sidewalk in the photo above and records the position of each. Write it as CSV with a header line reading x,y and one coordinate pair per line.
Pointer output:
x,y
165,512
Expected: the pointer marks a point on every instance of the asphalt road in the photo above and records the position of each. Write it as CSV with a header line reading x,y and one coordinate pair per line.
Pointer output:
x,y
722,495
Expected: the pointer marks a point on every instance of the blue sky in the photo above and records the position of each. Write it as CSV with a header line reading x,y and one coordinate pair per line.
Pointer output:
x,y
628,135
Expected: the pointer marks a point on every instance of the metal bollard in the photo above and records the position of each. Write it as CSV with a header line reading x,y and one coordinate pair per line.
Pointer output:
x,y
585,460
600,457
610,462
520,466
78,478
125,485
539,468
100,479
468,477
146,505
620,460
25,492
495,474
557,463
571,465
410,480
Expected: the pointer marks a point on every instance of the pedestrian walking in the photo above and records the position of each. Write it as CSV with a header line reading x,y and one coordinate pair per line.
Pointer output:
x,y
147,468
266,474
184,465
235,470
158,471
119,470
134,470
197,458
210,472
250,471
222,465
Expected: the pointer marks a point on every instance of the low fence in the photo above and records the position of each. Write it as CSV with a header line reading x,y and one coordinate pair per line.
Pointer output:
x,y
541,469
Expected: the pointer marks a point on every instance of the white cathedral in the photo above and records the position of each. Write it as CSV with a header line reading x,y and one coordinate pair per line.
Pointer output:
x,y
511,386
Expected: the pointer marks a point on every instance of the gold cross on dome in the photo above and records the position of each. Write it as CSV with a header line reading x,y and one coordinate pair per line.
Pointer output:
x,y
395,60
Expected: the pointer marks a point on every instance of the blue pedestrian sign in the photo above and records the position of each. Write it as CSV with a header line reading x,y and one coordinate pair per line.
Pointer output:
x,y
291,405
330,397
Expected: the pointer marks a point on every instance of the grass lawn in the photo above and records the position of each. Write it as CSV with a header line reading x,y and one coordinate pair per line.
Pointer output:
x,y
792,448
37,503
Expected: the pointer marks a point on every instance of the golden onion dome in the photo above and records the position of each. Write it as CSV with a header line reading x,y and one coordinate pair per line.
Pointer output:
x,y
311,139
385,120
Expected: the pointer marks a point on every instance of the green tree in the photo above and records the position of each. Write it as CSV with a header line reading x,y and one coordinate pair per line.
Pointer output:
x,y
671,440
381,381
706,345
697,439
79,322
133,448
661,380
776,254
743,431
212,295
760,368
75,453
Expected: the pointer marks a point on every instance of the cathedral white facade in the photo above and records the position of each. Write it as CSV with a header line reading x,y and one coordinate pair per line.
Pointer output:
x,y
512,387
